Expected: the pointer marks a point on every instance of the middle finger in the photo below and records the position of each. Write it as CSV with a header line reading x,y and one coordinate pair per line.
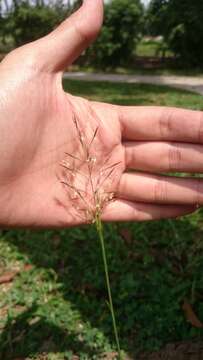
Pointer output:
x,y
164,157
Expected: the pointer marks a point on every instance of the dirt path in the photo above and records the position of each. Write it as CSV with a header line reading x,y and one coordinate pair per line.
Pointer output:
x,y
194,84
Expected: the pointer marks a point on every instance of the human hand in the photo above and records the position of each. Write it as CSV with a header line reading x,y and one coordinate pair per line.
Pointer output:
x,y
37,128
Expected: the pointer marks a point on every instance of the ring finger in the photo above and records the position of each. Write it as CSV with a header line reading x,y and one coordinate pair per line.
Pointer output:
x,y
164,156
152,189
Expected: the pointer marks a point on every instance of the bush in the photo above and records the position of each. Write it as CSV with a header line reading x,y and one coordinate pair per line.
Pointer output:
x,y
180,22
120,34
26,23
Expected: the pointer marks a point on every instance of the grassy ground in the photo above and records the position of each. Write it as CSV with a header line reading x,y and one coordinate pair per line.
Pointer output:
x,y
147,48
130,94
151,48
55,307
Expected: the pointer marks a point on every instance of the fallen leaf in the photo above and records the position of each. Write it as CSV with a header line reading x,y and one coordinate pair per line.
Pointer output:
x,y
110,355
43,356
126,235
6,287
8,277
191,316
3,311
28,267
19,308
34,320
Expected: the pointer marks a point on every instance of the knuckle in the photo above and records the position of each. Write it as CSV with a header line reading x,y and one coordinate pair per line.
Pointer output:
x,y
160,191
85,32
174,157
130,157
83,36
200,128
122,187
166,123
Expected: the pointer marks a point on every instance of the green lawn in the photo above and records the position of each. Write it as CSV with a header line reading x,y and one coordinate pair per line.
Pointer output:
x,y
151,48
130,94
147,48
56,308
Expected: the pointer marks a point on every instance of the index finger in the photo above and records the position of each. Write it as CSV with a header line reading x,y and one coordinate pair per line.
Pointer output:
x,y
161,123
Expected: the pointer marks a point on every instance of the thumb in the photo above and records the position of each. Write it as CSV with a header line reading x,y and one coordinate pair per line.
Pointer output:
x,y
63,45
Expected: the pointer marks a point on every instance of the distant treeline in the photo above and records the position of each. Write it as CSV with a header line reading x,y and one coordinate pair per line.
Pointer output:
x,y
126,22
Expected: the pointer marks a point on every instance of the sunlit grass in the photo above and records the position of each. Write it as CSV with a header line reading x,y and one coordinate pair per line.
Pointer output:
x,y
133,94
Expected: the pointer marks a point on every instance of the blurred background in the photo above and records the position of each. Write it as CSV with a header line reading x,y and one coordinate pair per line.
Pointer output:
x,y
138,34
52,288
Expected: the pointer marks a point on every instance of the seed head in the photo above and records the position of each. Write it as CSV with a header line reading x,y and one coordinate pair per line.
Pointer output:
x,y
87,177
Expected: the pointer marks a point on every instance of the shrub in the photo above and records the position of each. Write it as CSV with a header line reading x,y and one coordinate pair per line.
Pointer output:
x,y
26,23
120,34
180,22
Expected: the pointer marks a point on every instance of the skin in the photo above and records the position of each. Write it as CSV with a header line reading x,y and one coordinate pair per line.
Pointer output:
x,y
37,128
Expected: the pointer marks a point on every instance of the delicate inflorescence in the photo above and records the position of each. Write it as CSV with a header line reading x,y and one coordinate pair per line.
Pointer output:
x,y
88,177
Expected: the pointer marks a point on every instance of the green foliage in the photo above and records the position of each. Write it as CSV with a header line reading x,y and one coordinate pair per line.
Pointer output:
x,y
26,22
121,31
156,17
180,22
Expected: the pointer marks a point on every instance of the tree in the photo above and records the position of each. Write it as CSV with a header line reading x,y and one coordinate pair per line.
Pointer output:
x,y
121,31
26,21
180,22
157,16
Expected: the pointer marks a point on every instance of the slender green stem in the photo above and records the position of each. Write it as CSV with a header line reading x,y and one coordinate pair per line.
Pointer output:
x,y
101,237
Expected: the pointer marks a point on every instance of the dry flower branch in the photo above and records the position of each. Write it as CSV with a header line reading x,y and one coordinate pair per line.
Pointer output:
x,y
88,180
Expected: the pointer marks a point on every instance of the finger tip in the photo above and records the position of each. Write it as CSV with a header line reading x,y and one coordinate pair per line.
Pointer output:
x,y
95,8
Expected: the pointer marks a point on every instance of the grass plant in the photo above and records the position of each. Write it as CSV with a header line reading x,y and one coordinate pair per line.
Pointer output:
x,y
88,187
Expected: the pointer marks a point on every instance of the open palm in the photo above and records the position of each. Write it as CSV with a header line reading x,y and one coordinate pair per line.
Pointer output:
x,y
38,130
